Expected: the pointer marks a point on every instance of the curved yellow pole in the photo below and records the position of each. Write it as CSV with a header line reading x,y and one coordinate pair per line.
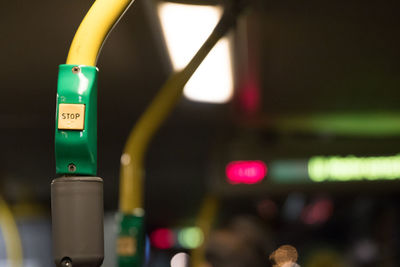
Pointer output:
x,y
204,221
95,27
11,236
132,160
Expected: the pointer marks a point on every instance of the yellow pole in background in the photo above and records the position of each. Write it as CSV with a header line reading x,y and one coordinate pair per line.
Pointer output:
x,y
11,236
132,160
204,221
94,29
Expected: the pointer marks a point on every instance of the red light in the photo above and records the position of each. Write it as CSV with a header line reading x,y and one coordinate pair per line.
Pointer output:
x,y
267,209
162,238
318,212
250,98
246,172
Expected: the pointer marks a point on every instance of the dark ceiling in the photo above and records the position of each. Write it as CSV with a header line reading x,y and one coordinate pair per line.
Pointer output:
x,y
339,56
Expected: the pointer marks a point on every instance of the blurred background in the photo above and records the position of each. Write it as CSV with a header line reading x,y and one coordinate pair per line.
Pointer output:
x,y
293,139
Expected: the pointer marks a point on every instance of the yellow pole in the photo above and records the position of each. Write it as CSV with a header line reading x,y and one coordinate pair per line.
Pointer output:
x,y
132,160
94,29
204,221
11,236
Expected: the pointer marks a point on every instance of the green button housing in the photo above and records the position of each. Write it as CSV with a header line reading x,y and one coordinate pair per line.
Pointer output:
x,y
76,150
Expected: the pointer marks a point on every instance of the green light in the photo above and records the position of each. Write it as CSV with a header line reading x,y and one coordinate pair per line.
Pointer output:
x,y
288,171
191,237
350,168
375,123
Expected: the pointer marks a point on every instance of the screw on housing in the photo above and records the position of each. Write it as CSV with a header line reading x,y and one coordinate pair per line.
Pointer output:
x,y
72,167
76,70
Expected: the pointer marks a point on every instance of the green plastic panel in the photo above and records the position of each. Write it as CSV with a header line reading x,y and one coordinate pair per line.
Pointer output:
x,y
131,241
76,150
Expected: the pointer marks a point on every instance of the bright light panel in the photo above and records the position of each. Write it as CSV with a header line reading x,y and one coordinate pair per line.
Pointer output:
x,y
186,28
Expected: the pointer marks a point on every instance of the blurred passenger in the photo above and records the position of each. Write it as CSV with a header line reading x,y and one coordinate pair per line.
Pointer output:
x,y
244,243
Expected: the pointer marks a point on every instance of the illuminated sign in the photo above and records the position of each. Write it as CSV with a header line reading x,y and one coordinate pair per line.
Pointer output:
x,y
349,168
246,172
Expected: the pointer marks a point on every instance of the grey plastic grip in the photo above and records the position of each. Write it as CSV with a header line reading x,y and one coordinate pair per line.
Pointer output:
x,y
77,221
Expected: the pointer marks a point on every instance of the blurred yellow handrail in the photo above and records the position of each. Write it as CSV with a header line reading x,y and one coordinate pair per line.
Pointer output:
x,y
204,221
94,29
11,236
132,160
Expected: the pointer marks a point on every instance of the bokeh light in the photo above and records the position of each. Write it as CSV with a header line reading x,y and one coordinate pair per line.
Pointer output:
x,y
162,238
180,260
246,172
317,212
267,209
191,237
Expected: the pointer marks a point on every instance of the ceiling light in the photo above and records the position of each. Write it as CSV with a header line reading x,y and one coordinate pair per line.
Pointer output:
x,y
186,28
